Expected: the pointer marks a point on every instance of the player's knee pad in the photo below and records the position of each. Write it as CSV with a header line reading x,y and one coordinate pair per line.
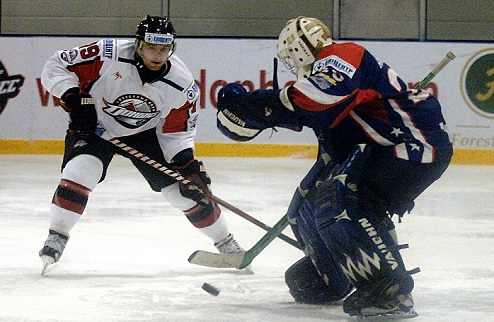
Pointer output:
x,y
358,239
306,285
84,169
174,197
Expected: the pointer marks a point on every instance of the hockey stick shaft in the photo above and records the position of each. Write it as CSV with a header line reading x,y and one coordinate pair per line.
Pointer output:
x,y
179,178
321,167
446,60
276,85
238,260
264,242
253,220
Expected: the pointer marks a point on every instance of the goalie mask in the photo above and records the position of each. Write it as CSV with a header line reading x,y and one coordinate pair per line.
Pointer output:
x,y
300,42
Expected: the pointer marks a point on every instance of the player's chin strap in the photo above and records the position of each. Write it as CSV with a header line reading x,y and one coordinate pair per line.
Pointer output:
x,y
179,178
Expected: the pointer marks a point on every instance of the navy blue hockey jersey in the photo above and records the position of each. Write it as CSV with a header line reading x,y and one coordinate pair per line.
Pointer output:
x,y
352,98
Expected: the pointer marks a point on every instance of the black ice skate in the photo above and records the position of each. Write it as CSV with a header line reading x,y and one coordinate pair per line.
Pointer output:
x,y
380,300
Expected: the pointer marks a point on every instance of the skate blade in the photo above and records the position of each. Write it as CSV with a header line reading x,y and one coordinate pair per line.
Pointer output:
x,y
396,315
47,261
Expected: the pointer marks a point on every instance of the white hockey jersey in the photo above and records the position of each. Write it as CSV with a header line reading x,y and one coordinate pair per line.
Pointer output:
x,y
125,105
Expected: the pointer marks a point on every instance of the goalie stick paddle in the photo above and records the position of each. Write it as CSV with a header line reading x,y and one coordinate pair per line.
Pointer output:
x,y
175,175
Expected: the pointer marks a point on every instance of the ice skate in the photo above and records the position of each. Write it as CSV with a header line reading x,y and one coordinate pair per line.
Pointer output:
x,y
229,245
53,249
380,301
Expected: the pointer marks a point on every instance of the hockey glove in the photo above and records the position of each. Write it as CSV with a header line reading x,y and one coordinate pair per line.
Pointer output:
x,y
198,187
82,111
243,115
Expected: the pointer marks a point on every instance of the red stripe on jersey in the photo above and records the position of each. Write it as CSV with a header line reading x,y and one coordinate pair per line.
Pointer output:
x,y
87,72
362,97
349,52
176,120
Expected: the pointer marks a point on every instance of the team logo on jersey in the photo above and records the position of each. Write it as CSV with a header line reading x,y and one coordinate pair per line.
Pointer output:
x,y
131,110
477,83
192,92
9,86
336,63
69,55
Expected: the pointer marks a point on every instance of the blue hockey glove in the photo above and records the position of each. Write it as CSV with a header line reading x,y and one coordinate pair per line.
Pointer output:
x,y
243,115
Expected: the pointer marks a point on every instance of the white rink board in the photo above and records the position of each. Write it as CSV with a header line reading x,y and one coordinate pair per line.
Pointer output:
x,y
33,116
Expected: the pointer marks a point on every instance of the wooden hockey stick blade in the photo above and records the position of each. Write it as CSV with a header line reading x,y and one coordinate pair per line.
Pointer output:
x,y
209,259
217,260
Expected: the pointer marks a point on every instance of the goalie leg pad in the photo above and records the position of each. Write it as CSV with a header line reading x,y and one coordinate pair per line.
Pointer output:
x,y
316,249
358,238
307,286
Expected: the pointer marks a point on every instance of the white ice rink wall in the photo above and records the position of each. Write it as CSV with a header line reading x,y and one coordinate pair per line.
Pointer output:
x,y
32,122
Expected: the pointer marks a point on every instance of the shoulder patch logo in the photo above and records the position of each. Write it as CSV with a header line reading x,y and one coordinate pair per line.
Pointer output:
x,y
336,63
69,55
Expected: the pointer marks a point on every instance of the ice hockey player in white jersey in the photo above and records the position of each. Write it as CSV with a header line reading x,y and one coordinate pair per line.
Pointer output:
x,y
140,92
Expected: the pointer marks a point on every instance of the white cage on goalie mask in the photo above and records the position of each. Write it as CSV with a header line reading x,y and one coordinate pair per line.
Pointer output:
x,y
299,43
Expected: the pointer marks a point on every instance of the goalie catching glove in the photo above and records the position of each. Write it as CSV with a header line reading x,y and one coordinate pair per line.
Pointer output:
x,y
82,111
197,188
243,115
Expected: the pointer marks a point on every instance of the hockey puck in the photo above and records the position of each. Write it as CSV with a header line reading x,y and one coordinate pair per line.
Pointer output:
x,y
210,289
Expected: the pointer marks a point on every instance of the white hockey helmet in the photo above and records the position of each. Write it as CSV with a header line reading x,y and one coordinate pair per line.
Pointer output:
x,y
300,42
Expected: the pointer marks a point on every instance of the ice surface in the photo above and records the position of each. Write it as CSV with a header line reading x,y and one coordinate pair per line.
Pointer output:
x,y
127,257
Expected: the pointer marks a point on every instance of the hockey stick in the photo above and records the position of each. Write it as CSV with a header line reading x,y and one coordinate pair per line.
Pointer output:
x,y
446,60
253,220
209,259
179,178
321,167
219,260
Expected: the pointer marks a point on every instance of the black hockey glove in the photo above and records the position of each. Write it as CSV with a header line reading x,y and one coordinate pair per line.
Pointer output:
x,y
198,188
82,111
